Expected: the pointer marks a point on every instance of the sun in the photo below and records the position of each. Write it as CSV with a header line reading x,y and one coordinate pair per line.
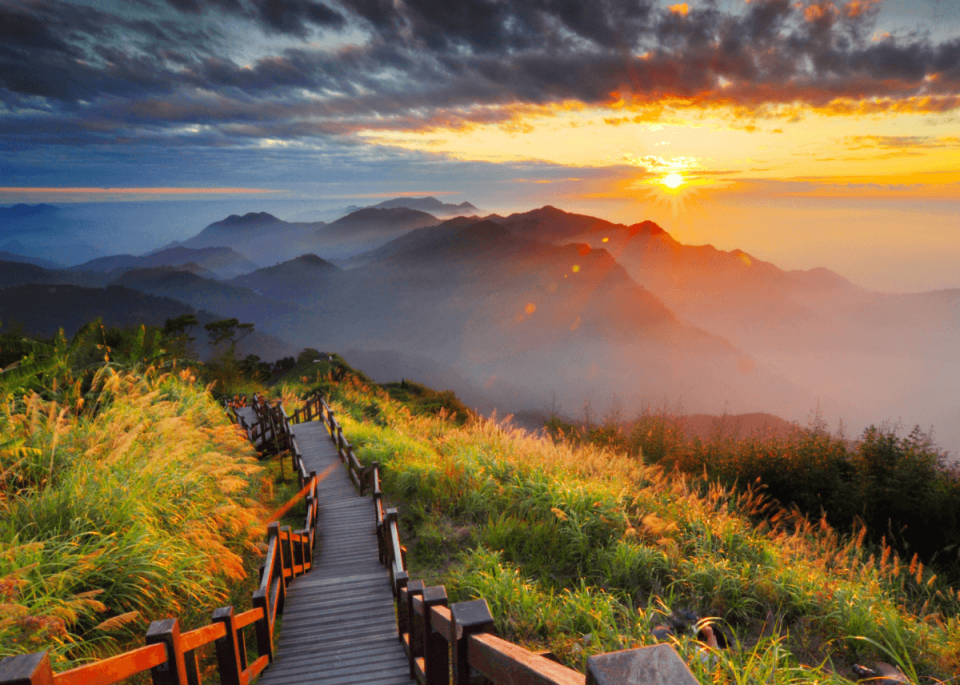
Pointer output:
x,y
673,181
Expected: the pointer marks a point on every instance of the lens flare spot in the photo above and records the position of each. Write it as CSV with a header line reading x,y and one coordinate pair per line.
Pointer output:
x,y
673,181
746,259
576,268
606,240
531,308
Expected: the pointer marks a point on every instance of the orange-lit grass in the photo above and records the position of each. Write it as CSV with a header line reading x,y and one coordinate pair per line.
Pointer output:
x,y
568,541
141,511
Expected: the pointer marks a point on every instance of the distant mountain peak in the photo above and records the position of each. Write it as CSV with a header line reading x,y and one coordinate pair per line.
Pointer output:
x,y
427,204
549,210
248,219
313,260
22,210
651,227
381,214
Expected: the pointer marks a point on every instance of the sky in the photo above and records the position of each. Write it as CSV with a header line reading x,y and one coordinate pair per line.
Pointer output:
x,y
810,133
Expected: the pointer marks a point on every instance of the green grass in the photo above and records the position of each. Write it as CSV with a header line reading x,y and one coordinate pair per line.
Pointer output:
x,y
582,549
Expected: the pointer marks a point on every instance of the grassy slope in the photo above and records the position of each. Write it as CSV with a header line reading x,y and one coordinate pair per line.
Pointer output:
x,y
146,508
582,550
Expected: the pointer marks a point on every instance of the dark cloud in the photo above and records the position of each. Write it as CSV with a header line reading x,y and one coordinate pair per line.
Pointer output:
x,y
293,17
424,63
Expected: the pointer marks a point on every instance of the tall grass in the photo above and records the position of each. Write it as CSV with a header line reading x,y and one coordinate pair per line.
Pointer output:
x,y
583,549
137,501
902,487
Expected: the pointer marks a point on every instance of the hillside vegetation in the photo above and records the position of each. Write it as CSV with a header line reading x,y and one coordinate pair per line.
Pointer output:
x,y
904,489
581,549
125,496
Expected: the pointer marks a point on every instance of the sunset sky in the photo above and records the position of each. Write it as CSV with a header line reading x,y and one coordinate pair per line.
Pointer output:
x,y
807,133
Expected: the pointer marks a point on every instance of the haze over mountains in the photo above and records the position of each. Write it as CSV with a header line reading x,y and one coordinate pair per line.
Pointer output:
x,y
514,311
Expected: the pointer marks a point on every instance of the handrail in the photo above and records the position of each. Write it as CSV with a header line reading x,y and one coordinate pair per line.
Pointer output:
x,y
431,631
120,666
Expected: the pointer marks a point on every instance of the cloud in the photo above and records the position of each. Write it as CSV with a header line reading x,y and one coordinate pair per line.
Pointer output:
x,y
856,142
294,17
420,64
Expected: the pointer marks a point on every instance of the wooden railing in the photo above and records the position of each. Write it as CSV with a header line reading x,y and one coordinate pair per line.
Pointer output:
x,y
171,656
270,433
455,643
445,643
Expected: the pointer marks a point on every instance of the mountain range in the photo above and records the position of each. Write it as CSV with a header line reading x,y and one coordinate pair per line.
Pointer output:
x,y
431,205
515,309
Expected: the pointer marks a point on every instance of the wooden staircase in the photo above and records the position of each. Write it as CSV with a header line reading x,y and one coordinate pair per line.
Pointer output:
x,y
351,613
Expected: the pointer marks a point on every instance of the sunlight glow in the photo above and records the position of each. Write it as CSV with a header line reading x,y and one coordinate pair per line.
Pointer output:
x,y
673,181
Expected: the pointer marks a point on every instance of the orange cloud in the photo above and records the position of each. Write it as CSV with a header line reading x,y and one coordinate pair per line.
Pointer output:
x,y
682,9
819,11
855,8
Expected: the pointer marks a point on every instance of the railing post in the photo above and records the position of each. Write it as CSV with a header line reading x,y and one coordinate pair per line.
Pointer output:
x,y
273,530
436,650
400,587
229,656
392,543
316,500
331,422
414,589
289,561
262,628
26,669
174,670
297,547
471,618
377,507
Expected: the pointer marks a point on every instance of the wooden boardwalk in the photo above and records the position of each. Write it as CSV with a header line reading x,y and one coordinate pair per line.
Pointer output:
x,y
338,623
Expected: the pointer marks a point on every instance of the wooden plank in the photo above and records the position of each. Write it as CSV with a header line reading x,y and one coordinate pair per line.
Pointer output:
x,y
202,636
114,669
256,668
248,617
339,626
441,619
507,664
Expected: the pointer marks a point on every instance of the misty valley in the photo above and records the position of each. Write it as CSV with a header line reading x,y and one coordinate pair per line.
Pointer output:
x,y
520,313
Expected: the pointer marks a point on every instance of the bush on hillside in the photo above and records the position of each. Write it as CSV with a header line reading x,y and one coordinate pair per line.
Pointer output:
x,y
424,400
902,488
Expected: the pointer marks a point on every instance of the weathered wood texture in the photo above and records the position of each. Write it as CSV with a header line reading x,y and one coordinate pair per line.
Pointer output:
x,y
338,624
